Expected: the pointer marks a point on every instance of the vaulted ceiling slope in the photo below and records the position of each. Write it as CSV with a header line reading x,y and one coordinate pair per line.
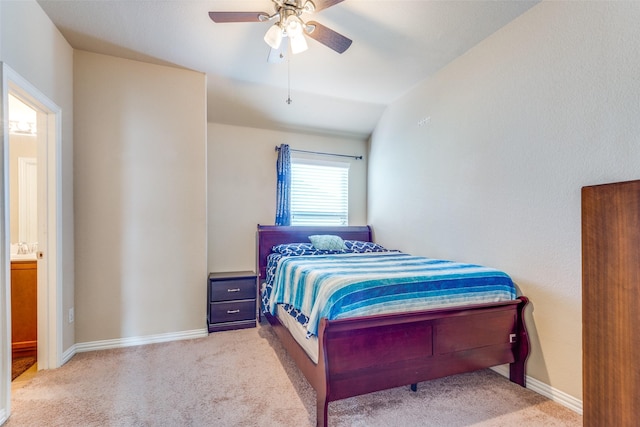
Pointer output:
x,y
396,44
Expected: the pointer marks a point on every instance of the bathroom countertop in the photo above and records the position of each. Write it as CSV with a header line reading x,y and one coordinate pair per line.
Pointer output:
x,y
23,257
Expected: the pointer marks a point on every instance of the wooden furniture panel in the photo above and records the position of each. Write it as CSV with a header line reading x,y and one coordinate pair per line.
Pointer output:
x,y
231,300
24,308
271,235
234,289
381,343
233,311
365,354
611,303
458,334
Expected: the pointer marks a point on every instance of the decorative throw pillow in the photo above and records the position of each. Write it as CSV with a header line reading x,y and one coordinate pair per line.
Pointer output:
x,y
327,242
298,249
292,248
357,246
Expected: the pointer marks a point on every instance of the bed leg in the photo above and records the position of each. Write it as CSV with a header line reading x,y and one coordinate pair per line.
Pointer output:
x,y
517,373
321,411
517,369
414,387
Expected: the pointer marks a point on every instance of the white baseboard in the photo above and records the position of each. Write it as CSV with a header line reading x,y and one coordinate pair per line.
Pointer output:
x,y
67,355
546,390
131,341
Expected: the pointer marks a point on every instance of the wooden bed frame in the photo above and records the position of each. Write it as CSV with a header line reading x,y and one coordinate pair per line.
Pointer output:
x,y
366,354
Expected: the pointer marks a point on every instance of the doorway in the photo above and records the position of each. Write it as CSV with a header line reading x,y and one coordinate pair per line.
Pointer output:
x,y
23,234
48,231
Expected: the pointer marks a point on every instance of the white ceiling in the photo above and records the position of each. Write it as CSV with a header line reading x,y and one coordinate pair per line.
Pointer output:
x,y
396,44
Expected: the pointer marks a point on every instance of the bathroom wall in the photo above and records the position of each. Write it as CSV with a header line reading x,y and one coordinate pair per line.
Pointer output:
x,y
19,146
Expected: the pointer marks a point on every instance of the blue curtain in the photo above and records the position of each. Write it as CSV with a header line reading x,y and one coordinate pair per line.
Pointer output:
x,y
283,192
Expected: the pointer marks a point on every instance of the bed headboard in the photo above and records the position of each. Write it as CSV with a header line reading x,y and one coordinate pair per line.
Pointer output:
x,y
271,235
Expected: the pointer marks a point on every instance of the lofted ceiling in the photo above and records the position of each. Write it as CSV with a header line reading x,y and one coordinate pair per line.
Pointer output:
x,y
396,44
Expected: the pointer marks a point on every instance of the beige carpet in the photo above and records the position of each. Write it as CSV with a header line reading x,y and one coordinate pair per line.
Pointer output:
x,y
244,378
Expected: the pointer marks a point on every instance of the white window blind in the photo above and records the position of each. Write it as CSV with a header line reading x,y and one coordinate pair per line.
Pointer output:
x,y
319,192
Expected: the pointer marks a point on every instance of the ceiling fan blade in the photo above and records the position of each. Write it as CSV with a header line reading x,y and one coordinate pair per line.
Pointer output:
x,y
328,37
324,4
219,17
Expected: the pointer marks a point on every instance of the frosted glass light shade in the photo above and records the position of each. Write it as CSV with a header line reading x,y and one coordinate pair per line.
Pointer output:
x,y
298,44
274,36
294,28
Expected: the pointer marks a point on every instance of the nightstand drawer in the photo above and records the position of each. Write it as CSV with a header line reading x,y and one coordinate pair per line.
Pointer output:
x,y
232,289
232,311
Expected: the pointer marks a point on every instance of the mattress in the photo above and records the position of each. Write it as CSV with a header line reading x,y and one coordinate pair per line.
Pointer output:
x,y
352,285
299,333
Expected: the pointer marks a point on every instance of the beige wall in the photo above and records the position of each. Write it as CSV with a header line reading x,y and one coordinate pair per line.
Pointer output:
x,y
518,125
34,48
242,186
140,182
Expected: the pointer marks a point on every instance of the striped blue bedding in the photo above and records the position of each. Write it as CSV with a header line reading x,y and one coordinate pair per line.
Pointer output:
x,y
349,285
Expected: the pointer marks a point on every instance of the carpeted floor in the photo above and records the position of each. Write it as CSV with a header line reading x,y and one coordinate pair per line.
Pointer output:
x,y
19,365
244,378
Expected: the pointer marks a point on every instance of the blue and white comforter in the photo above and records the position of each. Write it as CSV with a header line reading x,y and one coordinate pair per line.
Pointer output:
x,y
349,285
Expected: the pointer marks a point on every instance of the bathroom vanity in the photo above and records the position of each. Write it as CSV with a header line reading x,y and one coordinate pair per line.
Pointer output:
x,y
24,308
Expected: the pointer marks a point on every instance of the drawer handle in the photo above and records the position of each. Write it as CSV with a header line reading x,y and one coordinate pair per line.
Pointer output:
x,y
233,311
233,290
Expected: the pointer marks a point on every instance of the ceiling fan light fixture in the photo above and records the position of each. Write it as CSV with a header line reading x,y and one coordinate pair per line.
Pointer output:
x,y
273,37
293,26
309,7
298,43
291,30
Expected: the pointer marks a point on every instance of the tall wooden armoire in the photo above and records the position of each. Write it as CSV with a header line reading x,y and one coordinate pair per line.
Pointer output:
x,y
611,304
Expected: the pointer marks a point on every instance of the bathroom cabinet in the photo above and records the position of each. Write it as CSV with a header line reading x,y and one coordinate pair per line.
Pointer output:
x,y
24,308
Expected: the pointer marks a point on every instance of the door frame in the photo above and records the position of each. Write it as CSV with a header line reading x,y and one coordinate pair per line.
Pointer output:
x,y
50,326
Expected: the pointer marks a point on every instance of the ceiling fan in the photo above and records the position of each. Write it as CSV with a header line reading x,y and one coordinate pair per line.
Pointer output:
x,y
290,25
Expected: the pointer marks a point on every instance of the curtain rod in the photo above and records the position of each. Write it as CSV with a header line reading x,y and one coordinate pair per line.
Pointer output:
x,y
323,154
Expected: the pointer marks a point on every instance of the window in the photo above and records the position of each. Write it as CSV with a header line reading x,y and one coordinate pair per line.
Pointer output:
x,y
319,192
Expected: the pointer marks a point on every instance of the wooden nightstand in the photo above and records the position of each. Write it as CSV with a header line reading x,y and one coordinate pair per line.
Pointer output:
x,y
232,300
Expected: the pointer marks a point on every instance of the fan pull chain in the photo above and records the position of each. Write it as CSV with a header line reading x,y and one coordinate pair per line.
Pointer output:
x,y
289,101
